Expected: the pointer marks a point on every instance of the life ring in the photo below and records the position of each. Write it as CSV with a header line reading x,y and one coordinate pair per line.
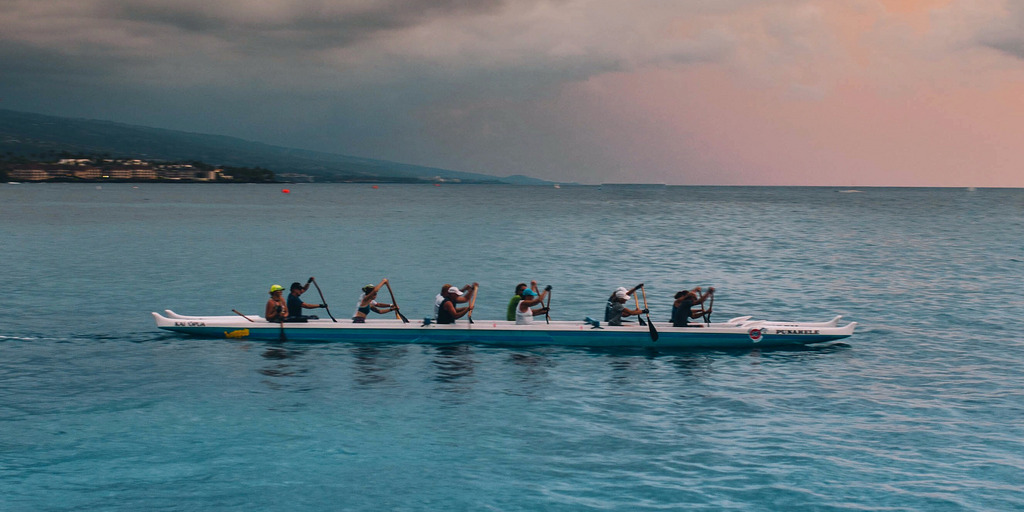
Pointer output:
x,y
755,334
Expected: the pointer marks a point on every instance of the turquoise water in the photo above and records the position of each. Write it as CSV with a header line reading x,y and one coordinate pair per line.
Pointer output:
x,y
920,410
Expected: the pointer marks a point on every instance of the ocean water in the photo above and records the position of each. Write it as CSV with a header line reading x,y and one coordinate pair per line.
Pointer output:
x,y
921,409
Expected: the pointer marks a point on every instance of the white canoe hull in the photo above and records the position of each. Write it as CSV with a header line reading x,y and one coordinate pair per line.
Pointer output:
x,y
739,332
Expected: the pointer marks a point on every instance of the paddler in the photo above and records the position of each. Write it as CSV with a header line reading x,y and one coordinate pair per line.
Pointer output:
x,y
295,304
367,303
447,313
276,310
615,310
682,308
510,314
524,315
464,296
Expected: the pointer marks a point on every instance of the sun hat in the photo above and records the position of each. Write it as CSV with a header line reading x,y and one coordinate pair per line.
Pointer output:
x,y
276,288
455,290
621,293
529,293
368,288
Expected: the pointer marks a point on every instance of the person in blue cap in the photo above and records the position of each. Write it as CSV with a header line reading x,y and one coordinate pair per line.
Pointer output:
x,y
524,315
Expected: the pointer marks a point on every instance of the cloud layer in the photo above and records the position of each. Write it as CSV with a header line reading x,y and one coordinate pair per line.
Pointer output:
x,y
854,92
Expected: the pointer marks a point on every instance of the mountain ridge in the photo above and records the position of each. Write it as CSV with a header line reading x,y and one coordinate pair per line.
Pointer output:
x,y
25,134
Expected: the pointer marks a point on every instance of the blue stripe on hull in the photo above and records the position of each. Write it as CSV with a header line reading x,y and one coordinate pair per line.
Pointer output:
x,y
582,338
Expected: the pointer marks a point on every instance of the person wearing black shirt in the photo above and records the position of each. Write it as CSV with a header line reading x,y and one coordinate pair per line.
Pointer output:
x,y
295,304
682,308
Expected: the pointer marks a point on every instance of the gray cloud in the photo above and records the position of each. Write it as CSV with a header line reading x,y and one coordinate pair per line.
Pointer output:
x,y
375,38
1010,44
404,80
286,25
1006,35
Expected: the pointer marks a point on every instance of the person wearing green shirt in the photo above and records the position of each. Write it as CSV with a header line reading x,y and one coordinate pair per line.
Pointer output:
x,y
510,315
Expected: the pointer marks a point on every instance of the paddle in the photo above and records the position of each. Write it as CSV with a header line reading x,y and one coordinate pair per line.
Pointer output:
x,y
398,314
322,301
471,303
638,317
243,316
711,307
281,322
547,307
654,332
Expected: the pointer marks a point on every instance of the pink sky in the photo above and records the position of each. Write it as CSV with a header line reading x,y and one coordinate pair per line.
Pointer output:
x,y
912,115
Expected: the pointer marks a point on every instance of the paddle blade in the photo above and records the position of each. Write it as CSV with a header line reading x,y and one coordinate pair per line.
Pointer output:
x,y
654,332
402,317
650,324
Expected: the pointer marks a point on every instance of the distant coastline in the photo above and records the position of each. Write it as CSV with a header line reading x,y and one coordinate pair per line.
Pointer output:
x,y
100,169
89,168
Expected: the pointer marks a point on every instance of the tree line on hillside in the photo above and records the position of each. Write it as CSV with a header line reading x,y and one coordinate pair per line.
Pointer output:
x,y
66,166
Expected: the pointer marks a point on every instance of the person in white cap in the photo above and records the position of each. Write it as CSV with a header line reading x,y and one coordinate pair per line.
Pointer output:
x,y
615,310
439,298
447,313
276,310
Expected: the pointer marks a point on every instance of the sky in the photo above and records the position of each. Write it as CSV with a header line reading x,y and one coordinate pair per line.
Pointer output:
x,y
683,92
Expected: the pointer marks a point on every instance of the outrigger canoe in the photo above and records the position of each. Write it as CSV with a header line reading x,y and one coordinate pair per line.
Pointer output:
x,y
740,332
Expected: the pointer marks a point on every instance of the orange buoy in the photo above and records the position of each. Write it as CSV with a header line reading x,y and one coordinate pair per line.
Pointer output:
x,y
286,191
375,186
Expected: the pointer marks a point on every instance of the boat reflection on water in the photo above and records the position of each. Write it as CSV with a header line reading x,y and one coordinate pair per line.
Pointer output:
x,y
373,364
456,369
285,366
276,353
454,363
